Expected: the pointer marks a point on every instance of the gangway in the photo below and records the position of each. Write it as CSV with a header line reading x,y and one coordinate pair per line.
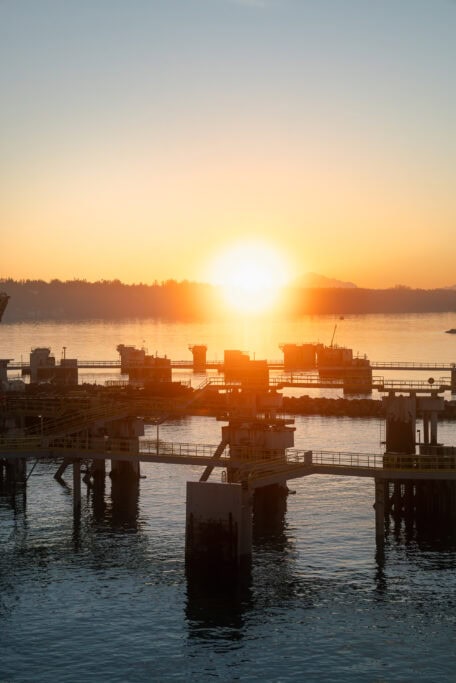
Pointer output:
x,y
260,464
218,365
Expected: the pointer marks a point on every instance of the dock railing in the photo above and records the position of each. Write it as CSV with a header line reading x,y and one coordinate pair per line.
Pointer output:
x,y
244,458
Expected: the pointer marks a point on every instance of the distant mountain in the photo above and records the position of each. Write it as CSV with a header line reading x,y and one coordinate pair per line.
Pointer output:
x,y
321,281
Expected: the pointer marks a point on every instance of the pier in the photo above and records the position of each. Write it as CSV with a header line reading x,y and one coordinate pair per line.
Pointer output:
x,y
256,454
329,378
84,429
115,364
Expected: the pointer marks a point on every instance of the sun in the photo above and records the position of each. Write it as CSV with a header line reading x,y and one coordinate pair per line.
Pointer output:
x,y
251,275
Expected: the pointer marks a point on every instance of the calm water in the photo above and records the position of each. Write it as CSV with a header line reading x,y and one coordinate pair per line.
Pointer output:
x,y
107,599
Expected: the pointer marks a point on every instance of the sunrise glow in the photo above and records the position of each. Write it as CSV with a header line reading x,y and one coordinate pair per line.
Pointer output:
x,y
251,275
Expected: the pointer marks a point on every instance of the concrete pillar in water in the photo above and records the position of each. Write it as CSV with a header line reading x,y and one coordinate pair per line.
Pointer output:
x,y
218,527
379,506
125,472
125,499
409,498
246,526
400,423
426,429
433,428
76,485
358,378
124,435
398,502
98,470
430,407
124,469
15,471
453,380
4,371
199,357
269,509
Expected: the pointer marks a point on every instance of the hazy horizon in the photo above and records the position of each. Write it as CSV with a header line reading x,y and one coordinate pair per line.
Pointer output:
x,y
308,280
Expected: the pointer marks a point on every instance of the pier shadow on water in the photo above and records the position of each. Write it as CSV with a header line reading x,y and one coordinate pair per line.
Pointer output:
x,y
14,496
434,534
217,603
120,509
269,517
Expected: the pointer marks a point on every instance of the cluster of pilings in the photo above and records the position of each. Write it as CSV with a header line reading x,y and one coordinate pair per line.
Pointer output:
x,y
421,502
124,473
427,500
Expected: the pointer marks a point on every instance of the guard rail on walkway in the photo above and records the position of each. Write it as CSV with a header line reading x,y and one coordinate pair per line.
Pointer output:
x,y
247,458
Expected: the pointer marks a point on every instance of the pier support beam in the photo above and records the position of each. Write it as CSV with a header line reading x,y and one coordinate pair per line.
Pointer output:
x,y
430,407
409,498
400,423
124,470
125,498
124,434
269,509
98,470
358,380
76,486
453,380
199,357
218,527
380,486
15,471
426,429
62,467
433,429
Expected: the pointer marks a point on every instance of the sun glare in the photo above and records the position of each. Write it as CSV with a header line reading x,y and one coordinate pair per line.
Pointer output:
x,y
251,276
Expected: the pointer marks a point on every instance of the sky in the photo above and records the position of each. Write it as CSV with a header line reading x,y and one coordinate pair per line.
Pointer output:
x,y
141,139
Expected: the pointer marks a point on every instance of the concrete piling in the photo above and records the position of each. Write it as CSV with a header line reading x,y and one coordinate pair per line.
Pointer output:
x,y
98,470
218,527
14,471
269,509
453,380
400,423
380,486
125,436
76,486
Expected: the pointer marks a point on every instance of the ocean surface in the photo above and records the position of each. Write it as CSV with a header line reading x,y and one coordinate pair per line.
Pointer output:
x,y
106,598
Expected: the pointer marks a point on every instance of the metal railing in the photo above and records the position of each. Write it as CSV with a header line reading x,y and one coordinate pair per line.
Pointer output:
x,y
413,385
393,461
248,458
412,365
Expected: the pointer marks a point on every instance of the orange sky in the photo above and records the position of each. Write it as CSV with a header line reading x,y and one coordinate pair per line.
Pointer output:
x,y
138,144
